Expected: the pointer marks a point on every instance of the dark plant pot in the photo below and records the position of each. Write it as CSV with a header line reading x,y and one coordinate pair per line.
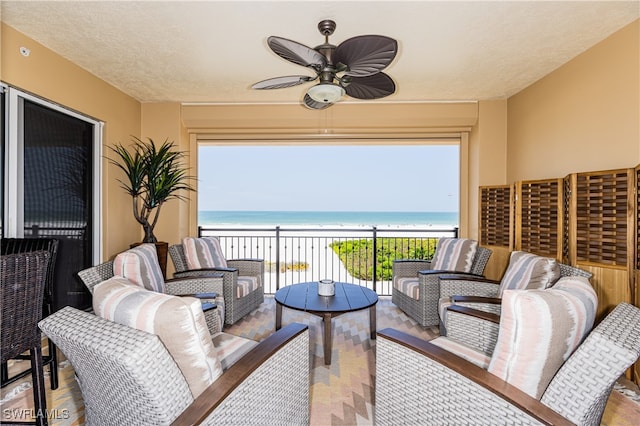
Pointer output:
x,y
163,250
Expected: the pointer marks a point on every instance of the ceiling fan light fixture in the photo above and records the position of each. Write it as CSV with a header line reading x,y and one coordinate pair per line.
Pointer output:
x,y
326,92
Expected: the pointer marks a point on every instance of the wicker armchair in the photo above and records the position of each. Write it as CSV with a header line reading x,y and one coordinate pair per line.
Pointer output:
x,y
238,303
200,287
484,295
127,376
418,382
418,275
22,278
24,245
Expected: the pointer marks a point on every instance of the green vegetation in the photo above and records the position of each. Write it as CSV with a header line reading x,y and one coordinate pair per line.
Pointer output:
x,y
357,255
288,266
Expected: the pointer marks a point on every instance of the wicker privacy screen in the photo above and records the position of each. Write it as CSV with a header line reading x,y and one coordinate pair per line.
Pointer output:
x,y
539,217
496,215
602,214
637,206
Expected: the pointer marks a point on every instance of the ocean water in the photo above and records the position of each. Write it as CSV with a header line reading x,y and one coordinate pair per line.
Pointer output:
x,y
326,218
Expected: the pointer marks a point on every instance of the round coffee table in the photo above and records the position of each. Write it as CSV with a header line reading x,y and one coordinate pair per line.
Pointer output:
x,y
348,298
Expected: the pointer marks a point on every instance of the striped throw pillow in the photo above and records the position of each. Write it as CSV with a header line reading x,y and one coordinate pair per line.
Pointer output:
x,y
140,266
454,254
539,330
178,321
529,271
204,252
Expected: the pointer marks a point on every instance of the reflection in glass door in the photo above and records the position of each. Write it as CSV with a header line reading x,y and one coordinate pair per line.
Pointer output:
x,y
50,188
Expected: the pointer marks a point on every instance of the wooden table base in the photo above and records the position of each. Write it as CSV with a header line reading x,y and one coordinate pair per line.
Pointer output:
x,y
327,338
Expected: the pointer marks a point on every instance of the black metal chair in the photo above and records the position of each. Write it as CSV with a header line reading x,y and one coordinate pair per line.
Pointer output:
x,y
22,278
23,245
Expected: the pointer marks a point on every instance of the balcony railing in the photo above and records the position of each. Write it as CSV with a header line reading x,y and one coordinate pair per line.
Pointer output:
x,y
294,255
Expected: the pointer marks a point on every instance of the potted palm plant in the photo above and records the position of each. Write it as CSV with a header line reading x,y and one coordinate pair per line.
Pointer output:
x,y
154,175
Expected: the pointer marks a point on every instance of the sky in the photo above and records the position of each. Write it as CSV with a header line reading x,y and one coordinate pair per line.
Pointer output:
x,y
409,178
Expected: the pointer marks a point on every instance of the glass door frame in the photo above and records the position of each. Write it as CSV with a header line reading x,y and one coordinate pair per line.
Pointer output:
x,y
13,179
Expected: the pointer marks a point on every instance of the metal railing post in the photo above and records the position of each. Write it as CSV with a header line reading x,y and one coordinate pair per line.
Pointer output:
x,y
277,257
375,257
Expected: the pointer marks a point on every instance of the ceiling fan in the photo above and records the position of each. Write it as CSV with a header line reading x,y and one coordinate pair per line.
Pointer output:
x,y
354,67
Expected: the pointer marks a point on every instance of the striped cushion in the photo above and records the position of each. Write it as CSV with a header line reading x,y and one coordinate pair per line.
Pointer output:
x,y
204,252
408,286
245,286
476,357
529,271
178,321
140,266
454,254
539,330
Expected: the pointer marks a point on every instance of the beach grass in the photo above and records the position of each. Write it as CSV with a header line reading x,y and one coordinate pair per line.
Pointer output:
x,y
358,255
286,266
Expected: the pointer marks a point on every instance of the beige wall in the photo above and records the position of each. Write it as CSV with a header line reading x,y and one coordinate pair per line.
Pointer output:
x,y
52,77
488,153
585,116
160,122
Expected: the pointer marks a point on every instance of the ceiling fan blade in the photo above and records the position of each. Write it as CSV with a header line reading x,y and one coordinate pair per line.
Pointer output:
x,y
297,53
366,55
311,104
371,87
282,82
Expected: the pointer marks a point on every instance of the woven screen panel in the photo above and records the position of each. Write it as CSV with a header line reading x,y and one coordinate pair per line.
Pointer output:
x,y
638,217
539,203
602,209
495,215
566,239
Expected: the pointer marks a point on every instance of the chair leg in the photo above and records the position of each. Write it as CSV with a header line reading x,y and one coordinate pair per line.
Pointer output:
x,y
4,373
53,365
39,391
51,359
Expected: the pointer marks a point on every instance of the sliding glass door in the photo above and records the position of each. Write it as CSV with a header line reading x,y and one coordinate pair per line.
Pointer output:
x,y
51,185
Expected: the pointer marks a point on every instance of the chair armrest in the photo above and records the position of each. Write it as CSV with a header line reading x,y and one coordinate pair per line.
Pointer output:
x,y
270,382
479,303
202,271
467,285
248,267
209,306
475,313
476,299
468,277
409,267
457,274
417,381
191,285
472,327
211,295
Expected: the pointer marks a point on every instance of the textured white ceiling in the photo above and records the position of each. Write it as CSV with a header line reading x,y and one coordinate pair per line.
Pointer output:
x,y
212,51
